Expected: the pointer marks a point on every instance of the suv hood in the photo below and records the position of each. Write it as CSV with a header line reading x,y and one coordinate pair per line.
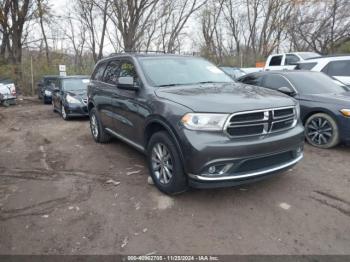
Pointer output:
x,y
224,98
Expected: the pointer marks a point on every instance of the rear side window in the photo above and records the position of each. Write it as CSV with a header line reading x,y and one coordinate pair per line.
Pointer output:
x,y
98,73
338,68
291,59
276,60
275,82
253,79
305,66
111,73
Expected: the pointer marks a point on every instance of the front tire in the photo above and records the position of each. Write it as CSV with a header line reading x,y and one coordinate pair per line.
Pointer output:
x,y
321,131
98,132
165,165
64,113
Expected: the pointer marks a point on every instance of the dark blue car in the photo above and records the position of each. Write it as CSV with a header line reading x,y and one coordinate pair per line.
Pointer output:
x,y
324,103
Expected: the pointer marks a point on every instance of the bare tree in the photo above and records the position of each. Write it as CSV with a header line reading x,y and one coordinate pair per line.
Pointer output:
x,y
42,13
320,26
131,18
77,36
172,19
4,28
232,19
276,17
94,15
13,16
209,28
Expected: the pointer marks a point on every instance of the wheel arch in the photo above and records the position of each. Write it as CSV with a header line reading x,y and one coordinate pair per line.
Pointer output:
x,y
319,110
157,124
91,105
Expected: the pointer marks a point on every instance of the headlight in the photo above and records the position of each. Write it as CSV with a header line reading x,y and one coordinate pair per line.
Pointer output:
x,y
72,100
47,92
345,112
208,122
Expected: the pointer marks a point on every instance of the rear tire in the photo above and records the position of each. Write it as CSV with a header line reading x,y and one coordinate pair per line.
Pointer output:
x,y
165,165
321,131
97,131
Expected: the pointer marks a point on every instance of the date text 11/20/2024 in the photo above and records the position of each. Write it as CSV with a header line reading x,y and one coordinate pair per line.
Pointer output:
x,y
171,258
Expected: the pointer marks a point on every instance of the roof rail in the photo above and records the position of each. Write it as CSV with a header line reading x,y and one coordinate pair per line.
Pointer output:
x,y
140,52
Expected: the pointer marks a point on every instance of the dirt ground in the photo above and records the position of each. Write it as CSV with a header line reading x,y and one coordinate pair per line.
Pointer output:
x,y
56,198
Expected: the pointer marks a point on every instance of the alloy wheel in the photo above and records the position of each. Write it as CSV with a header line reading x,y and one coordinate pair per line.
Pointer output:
x,y
94,126
63,112
319,131
162,164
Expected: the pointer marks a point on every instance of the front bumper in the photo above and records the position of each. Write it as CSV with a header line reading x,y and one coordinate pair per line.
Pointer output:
x,y
4,97
344,128
77,110
47,98
243,159
243,178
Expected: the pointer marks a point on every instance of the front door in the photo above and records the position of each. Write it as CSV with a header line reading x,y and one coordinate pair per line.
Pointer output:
x,y
126,104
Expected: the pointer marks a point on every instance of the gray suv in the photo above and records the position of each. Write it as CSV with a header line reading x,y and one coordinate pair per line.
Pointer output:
x,y
196,126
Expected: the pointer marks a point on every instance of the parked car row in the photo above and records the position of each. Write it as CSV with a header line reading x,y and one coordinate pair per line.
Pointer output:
x,y
197,126
68,95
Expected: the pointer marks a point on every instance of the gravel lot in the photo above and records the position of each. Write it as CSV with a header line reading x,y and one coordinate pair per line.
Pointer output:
x,y
57,197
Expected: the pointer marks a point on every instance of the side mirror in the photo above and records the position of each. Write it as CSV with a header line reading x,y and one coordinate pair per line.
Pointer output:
x,y
127,82
286,90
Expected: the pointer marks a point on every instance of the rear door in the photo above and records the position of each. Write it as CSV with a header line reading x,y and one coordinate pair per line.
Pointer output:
x,y
101,92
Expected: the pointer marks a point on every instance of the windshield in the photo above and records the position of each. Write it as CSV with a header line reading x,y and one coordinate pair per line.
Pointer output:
x,y
168,71
73,84
309,55
316,83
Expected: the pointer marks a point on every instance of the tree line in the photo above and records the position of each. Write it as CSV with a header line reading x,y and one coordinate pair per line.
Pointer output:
x,y
231,32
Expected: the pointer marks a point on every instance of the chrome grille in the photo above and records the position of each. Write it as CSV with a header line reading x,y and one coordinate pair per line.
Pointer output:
x,y
261,122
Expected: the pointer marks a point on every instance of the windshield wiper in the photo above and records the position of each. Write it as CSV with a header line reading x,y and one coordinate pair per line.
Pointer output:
x,y
165,85
206,82
168,85
211,82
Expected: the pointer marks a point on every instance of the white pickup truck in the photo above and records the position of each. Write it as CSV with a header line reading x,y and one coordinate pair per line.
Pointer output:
x,y
7,92
287,61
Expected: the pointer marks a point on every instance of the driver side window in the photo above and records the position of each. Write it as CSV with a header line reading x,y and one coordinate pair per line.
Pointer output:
x,y
116,69
127,69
